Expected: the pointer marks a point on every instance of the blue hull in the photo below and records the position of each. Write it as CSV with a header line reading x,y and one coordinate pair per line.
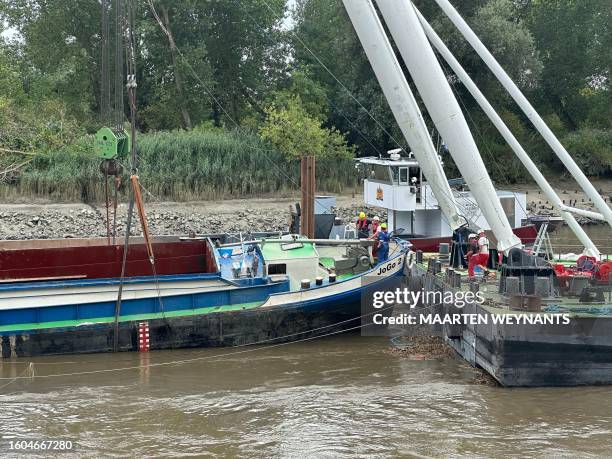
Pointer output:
x,y
293,321
251,290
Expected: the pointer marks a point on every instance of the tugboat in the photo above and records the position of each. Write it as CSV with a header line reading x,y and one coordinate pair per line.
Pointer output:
x,y
398,185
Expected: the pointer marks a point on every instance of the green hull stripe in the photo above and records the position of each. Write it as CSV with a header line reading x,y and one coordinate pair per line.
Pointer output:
x,y
129,318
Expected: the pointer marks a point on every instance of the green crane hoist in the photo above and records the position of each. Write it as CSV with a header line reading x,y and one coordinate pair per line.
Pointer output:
x,y
111,143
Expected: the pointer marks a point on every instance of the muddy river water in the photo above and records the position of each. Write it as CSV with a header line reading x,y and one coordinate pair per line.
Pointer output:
x,y
343,396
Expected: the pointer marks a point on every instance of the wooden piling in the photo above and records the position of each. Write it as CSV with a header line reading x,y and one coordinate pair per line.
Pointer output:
x,y
308,196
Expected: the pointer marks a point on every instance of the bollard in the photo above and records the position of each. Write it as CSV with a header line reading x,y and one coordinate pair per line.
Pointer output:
x,y
319,280
513,285
437,266
332,277
444,252
542,287
305,283
449,277
419,256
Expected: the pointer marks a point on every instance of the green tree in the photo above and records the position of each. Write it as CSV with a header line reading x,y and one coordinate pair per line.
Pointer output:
x,y
326,47
575,38
60,50
245,52
176,75
296,133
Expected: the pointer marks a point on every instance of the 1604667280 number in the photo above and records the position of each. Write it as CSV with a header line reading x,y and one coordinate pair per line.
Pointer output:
x,y
38,445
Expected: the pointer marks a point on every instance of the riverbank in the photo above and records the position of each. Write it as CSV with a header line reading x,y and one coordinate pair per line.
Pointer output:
x,y
46,220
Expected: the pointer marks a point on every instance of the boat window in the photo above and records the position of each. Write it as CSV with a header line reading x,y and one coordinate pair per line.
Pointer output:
x,y
403,176
380,173
277,268
394,174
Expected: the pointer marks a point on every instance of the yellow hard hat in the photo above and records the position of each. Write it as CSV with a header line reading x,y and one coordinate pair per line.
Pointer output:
x,y
383,226
362,215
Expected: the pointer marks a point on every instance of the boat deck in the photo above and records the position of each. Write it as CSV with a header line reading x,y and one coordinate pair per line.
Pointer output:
x,y
557,341
498,303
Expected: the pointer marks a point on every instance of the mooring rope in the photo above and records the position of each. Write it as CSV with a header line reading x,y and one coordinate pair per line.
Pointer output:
x,y
32,375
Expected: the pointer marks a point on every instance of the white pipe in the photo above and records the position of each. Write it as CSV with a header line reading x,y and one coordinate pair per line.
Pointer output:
x,y
402,102
531,113
585,213
509,137
404,25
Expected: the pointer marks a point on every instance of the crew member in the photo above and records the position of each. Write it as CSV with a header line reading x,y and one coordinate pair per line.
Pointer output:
x,y
363,226
375,228
383,243
482,257
472,248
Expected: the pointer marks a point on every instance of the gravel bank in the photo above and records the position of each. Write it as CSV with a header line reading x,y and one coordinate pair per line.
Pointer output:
x,y
48,220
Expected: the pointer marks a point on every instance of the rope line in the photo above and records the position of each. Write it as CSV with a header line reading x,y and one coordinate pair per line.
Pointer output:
x,y
256,343
218,356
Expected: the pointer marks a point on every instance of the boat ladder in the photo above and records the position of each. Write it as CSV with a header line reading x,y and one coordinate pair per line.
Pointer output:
x,y
542,243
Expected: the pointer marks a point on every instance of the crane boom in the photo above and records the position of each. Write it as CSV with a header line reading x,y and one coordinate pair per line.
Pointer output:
x,y
512,141
527,108
433,86
402,102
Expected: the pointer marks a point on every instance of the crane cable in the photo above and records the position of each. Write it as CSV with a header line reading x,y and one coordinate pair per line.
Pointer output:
x,y
135,189
131,87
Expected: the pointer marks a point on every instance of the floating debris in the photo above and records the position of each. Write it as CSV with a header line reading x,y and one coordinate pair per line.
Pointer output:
x,y
420,347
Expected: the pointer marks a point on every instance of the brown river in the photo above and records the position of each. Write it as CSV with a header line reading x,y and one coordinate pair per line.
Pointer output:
x,y
343,396
565,241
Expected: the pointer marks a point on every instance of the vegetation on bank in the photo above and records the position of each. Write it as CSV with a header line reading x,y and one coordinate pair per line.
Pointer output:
x,y
250,92
179,165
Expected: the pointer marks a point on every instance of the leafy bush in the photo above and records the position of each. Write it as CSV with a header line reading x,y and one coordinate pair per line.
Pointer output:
x,y
292,130
591,149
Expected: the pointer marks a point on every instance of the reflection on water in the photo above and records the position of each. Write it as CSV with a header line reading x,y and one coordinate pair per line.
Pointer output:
x,y
340,397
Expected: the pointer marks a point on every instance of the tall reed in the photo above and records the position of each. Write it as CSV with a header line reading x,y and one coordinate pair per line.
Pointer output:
x,y
179,166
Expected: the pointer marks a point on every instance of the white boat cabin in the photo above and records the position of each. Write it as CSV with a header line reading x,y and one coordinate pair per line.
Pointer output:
x,y
398,185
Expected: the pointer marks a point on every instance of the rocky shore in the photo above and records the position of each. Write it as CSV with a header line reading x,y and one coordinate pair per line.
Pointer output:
x,y
49,221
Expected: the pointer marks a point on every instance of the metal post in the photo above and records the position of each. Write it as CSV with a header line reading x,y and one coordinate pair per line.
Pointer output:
x,y
522,155
527,108
312,191
308,196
